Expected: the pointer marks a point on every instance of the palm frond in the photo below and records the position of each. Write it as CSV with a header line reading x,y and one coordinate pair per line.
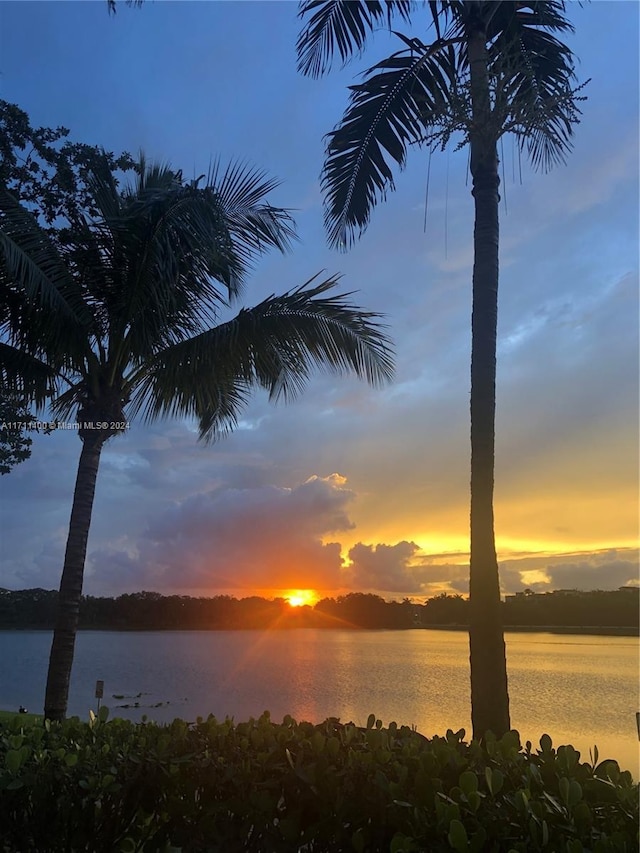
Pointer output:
x,y
93,251
404,96
273,346
254,225
103,187
189,239
172,250
26,376
67,404
112,5
152,177
30,261
341,24
540,79
175,233
43,312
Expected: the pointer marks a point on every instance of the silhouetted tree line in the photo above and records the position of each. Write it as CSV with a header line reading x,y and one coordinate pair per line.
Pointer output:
x,y
36,608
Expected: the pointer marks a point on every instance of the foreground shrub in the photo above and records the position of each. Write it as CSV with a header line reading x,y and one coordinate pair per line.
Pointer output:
x,y
259,786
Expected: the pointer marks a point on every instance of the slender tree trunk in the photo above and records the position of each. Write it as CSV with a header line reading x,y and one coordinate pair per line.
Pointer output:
x,y
489,696
64,635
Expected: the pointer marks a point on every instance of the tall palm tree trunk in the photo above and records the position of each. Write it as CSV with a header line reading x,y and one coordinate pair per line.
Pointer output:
x,y
489,696
64,635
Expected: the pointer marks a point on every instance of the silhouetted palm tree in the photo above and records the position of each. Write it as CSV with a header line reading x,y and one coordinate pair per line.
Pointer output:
x,y
492,68
122,310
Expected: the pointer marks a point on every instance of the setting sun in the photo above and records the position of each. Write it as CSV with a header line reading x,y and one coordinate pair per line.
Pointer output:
x,y
300,597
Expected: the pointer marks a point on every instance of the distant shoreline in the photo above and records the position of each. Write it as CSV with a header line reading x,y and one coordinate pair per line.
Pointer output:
x,y
589,630
594,630
595,613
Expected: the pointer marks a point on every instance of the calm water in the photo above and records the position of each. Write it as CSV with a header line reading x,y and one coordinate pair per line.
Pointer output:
x,y
579,689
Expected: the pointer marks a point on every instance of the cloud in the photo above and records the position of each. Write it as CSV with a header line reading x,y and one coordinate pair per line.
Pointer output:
x,y
229,538
584,575
382,567
607,569
402,568
595,179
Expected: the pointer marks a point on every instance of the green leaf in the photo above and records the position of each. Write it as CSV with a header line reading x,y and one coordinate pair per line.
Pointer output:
x,y
511,741
401,843
333,747
458,836
468,782
608,769
521,800
357,841
478,840
474,800
13,760
318,741
546,743
575,792
495,780
582,814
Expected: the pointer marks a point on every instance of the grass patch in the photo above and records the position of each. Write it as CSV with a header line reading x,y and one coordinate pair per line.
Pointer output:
x,y
26,719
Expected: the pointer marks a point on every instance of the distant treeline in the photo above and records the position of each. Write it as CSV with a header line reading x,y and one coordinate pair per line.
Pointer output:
x,y
35,608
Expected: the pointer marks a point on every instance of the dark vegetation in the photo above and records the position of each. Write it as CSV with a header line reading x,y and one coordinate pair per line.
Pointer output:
x,y
47,173
36,608
277,788
15,444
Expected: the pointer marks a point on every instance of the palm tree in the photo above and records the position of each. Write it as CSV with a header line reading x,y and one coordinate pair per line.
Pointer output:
x,y
492,68
121,312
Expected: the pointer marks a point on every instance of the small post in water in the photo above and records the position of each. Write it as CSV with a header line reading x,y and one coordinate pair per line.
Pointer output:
x,y
99,691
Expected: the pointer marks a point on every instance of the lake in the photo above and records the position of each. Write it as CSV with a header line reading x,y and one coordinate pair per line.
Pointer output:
x,y
579,689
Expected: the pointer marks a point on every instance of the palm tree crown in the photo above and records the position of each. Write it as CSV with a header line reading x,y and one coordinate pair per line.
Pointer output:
x,y
136,295
422,94
115,315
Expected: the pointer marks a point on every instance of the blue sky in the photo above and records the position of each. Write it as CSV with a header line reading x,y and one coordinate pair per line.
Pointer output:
x,y
349,487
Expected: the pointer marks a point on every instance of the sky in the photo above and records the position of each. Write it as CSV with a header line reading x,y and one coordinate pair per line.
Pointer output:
x,y
351,488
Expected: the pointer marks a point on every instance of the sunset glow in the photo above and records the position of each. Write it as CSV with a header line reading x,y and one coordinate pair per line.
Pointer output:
x,y
300,597
353,488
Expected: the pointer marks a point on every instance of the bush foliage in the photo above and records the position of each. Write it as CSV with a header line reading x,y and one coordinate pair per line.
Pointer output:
x,y
261,786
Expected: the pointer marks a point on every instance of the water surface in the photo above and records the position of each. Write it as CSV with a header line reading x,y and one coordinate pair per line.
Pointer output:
x,y
579,689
